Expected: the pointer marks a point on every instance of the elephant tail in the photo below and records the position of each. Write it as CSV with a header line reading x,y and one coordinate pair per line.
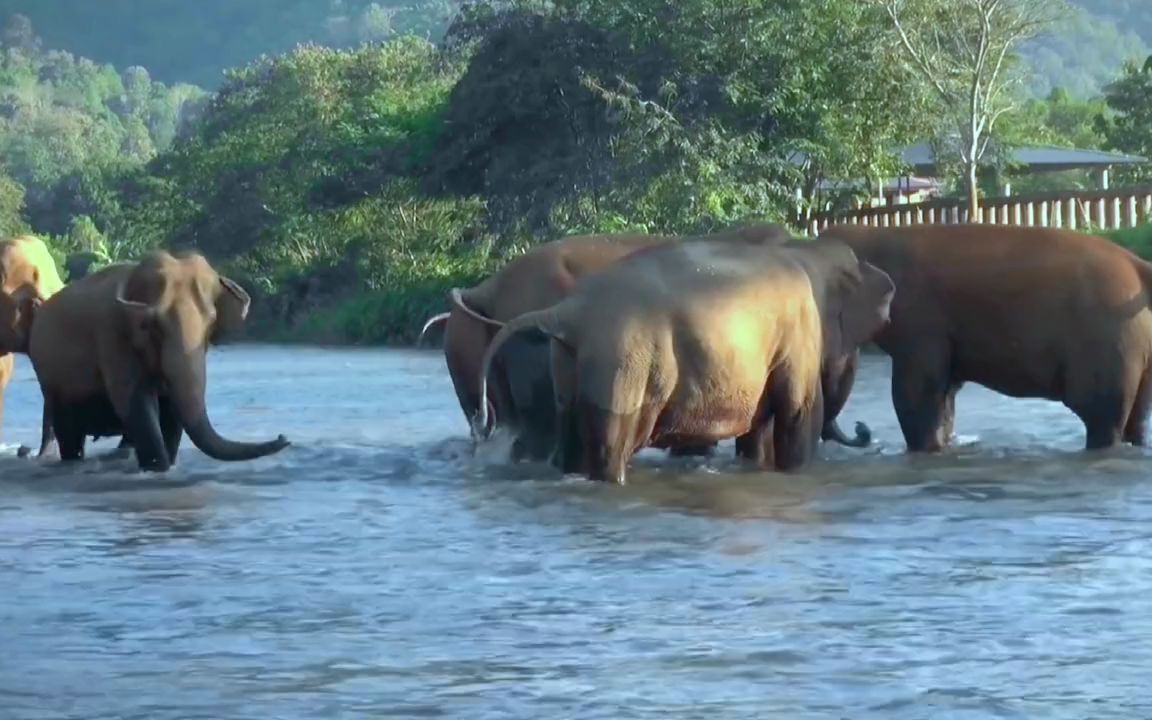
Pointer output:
x,y
548,321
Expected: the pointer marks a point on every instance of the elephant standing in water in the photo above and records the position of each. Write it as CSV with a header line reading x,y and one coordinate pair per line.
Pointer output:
x,y
27,276
521,383
521,392
1026,312
700,341
122,352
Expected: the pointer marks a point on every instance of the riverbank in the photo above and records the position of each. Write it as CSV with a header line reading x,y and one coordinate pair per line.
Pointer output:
x,y
393,317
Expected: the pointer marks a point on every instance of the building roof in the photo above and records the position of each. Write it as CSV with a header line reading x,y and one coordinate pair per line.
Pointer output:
x,y
1037,158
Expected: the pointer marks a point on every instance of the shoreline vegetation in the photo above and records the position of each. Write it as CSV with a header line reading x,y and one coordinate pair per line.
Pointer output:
x,y
347,189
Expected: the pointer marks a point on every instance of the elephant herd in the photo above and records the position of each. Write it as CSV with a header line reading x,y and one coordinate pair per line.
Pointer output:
x,y
121,351
589,348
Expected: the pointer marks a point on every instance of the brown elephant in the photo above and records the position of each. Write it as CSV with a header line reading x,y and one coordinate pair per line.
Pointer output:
x,y
699,341
520,380
1026,312
122,352
27,275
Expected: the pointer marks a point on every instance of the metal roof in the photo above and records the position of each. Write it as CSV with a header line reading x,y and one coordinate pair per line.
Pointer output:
x,y
1038,158
1035,157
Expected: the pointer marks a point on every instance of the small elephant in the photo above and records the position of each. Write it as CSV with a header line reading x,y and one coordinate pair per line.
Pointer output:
x,y
700,341
1023,311
122,352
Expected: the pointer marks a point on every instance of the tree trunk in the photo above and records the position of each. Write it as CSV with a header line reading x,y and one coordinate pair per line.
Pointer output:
x,y
972,186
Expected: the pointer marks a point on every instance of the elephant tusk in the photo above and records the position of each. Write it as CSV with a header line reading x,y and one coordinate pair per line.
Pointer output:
x,y
489,419
432,321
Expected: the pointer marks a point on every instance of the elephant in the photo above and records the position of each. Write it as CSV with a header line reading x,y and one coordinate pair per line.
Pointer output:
x,y
698,342
1023,311
27,276
79,264
521,394
122,352
521,383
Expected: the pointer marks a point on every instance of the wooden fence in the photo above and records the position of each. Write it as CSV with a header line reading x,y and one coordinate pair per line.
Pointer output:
x,y
1088,210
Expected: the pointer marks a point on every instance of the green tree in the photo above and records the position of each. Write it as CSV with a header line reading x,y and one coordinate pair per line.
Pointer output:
x,y
965,53
11,206
1128,128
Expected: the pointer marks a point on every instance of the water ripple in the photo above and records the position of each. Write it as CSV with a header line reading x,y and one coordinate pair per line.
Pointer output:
x,y
377,569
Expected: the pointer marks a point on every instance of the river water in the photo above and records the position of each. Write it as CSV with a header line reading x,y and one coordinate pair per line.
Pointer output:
x,y
376,568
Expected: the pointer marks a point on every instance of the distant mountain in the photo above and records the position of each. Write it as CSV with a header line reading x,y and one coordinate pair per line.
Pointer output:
x,y
194,41
1088,50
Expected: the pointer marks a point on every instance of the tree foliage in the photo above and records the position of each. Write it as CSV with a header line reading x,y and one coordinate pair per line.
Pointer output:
x,y
1128,128
349,187
965,53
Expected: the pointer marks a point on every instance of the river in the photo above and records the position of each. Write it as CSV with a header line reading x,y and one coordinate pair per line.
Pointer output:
x,y
376,569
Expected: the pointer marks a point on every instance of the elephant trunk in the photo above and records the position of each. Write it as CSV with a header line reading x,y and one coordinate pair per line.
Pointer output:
x,y
545,320
832,431
838,378
186,378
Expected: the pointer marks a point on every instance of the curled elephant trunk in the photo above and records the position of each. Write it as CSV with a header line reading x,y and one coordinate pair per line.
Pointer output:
x,y
187,382
547,321
832,431
205,437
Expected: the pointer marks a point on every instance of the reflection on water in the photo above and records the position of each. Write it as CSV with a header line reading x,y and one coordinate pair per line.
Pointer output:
x,y
376,569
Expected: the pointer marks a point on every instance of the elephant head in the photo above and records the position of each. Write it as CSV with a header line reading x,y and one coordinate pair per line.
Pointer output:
x,y
172,309
855,298
17,311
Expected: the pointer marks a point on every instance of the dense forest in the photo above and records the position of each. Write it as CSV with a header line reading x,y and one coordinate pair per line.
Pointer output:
x,y
402,148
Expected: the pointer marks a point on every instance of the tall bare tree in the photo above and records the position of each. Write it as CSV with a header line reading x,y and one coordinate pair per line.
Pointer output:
x,y
965,52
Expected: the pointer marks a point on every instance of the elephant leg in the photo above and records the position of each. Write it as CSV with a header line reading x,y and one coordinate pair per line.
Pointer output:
x,y
568,451
796,435
568,455
142,428
921,392
171,428
1136,429
68,427
758,444
609,442
47,431
948,416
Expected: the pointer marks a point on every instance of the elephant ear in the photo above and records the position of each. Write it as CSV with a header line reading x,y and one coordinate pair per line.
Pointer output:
x,y
865,304
17,311
231,310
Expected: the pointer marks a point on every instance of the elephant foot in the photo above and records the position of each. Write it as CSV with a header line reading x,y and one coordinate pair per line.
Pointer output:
x,y
23,451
